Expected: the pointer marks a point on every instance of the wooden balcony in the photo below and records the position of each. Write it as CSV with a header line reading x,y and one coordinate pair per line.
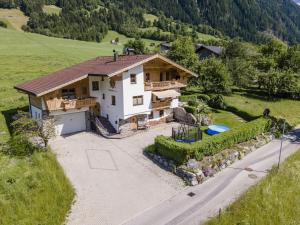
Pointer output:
x,y
62,104
161,105
163,85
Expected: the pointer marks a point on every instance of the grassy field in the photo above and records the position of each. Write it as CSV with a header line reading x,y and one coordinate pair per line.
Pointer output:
x,y
51,9
255,105
273,201
14,18
226,118
111,35
33,190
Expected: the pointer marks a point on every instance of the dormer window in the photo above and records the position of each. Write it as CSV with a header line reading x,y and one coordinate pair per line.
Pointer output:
x,y
133,78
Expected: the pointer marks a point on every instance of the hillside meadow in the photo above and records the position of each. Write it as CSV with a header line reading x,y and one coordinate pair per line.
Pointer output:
x,y
255,105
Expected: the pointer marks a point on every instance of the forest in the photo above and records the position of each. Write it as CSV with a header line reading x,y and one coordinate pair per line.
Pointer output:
x,y
253,20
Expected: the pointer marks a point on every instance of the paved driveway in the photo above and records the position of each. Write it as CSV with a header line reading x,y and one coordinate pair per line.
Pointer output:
x,y
114,181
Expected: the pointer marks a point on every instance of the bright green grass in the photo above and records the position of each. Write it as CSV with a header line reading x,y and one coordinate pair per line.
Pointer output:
x,y
226,118
51,9
273,201
289,109
222,118
33,190
111,35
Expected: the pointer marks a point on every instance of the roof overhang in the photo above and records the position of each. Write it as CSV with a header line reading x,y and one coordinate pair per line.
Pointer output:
x,y
156,56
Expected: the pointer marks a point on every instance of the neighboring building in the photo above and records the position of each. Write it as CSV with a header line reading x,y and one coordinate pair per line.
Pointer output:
x,y
126,91
208,51
165,47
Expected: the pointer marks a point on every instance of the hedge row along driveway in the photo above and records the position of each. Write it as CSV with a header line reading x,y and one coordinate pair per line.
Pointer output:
x,y
180,152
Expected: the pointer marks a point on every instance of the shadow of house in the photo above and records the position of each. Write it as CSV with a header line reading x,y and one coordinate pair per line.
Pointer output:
x,y
8,116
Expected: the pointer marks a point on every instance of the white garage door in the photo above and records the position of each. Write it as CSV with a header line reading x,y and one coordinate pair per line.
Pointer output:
x,y
70,123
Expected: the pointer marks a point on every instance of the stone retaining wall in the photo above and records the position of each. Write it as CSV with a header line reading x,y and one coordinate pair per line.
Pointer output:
x,y
195,172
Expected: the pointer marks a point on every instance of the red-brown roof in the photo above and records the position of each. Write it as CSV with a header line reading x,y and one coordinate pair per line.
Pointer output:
x,y
99,66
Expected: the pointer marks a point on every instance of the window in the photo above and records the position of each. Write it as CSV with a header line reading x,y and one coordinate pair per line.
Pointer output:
x,y
138,100
161,76
113,100
84,90
133,78
68,93
103,96
95,86
147,76
102,78
150,117
161,113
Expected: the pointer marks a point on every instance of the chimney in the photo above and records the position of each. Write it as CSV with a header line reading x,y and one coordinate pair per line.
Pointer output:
x,y
115,55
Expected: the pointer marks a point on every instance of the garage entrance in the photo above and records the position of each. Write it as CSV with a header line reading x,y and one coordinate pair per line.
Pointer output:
x,y
70,123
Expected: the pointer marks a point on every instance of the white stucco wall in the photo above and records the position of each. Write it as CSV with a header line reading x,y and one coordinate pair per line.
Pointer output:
x,y
114,112
137,89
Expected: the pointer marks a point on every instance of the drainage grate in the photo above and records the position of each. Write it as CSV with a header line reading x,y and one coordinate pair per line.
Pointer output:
x,y
191,194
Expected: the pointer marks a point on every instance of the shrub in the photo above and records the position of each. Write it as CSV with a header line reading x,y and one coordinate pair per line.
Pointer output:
x,y
171,149
217,101
203,97
193,103
180,152
2,24
19,145
190,109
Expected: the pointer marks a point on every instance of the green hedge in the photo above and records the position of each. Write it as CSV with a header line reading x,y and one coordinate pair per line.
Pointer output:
x,y
180,152
186,98
194,97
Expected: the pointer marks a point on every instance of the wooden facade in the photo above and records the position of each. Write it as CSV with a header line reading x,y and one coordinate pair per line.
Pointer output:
x,y
74,96
161,76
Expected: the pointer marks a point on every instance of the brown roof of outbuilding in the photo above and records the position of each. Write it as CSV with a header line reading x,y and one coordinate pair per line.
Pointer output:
x,y
105,66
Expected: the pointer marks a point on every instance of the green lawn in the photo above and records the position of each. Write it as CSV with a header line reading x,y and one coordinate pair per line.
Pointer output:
x,y
273,201
226,118
255,105
33,190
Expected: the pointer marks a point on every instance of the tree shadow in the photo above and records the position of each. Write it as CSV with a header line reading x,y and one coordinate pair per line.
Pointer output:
x,y
8,116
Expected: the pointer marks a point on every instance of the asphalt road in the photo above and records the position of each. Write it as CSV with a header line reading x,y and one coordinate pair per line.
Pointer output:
x,y
219,191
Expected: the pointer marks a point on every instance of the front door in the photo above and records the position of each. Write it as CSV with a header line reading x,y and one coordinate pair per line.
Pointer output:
x,y
134,123
97,109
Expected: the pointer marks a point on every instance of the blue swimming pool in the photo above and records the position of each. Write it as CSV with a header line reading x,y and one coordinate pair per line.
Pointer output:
x,y
216,129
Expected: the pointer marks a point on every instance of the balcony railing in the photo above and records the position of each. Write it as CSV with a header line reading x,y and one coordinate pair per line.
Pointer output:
x,y
62,104
161,105
162,85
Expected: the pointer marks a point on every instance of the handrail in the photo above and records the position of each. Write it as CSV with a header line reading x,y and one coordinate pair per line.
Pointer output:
x,y
63,104
162,85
